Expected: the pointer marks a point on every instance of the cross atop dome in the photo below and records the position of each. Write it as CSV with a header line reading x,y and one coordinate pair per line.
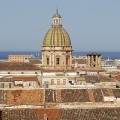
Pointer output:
x,y
57,14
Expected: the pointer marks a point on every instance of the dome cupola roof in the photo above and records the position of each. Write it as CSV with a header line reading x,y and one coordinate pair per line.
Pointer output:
x,y
57,35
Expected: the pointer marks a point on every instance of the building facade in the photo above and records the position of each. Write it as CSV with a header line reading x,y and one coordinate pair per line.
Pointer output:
x,y
56,48
19,58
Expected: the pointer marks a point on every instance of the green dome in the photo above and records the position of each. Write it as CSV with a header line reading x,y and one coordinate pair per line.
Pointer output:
x,y
57,36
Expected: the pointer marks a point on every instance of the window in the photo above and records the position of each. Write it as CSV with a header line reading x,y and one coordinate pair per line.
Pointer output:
x,y
47,61
30,84
10,85
57,22
52,81
35,72
2,85
8,72
57,61
67,61
58,81
22,72
45,117
94,58
64,81
80,83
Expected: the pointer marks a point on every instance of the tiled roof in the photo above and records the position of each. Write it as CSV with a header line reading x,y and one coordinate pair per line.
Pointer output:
x,y
79,61
91,114
27,55
25,97
102,113
17,66
98,78
51,114
50,96
93,53
66,95
117,77
35,61
6,80
25,78
71,78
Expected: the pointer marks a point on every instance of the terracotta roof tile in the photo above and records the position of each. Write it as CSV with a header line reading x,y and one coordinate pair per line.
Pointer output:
x,y
51,114
79,61
17,66
25,97
117,77
26,78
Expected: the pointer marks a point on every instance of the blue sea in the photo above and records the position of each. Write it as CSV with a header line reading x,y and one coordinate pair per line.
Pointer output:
x,y
105,55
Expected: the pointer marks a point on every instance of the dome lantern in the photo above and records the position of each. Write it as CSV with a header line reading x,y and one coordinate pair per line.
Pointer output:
x,y
56,19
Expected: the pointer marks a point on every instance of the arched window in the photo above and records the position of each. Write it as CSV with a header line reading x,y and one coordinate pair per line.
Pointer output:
x,y
48,61
57,61
57,22
67,61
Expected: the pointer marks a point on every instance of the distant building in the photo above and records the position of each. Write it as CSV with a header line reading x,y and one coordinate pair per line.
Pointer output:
x,y
17,66
19,58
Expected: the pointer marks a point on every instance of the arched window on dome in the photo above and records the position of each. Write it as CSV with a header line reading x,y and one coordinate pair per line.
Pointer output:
x,y
67,61
57,61
48,61
57,22
54,22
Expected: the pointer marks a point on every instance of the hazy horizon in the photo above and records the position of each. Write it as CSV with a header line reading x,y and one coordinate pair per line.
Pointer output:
x,y
92,25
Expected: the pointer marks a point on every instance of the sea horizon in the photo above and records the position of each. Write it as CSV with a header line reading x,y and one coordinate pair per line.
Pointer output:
x,y
105,54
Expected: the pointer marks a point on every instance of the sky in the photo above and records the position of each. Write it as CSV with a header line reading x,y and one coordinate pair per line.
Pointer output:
x,y
93,25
